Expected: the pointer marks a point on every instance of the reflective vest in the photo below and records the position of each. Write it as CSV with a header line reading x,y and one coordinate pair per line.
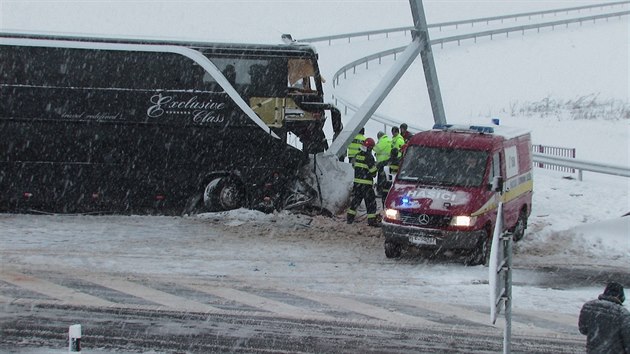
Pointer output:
x,y
364,168
383,148
355,145
398,142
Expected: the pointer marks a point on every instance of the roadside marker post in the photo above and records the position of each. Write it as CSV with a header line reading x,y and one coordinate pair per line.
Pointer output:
x,y
74,338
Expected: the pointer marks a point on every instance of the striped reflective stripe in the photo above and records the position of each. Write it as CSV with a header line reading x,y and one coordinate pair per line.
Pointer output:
x,y
518,186
372,169
363,181
352,212
355,146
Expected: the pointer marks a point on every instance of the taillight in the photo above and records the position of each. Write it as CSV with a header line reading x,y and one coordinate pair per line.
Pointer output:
x,y
160,197
27,195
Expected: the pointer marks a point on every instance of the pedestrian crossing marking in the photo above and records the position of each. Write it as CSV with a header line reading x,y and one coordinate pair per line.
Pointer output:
x,y
150,294
365,309
64,294
168,302
260,302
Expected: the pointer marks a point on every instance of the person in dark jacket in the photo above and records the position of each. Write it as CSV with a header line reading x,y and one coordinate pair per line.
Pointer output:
x,y
405,133
606,323
363,189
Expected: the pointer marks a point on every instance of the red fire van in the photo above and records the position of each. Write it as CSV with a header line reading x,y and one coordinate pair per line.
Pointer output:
x,y
450,181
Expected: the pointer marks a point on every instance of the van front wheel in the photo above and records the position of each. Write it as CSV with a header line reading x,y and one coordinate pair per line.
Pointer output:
x,y
480,255
392,250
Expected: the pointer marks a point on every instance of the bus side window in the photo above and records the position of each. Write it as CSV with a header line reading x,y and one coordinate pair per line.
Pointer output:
x,y
230,74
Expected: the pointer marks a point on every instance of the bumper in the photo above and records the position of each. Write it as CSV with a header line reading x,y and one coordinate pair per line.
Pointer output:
x,y
431,238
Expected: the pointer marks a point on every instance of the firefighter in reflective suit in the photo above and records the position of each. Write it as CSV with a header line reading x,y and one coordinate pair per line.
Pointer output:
x,y
362,189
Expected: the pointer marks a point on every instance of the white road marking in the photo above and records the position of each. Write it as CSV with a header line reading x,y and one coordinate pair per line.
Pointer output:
x,y
476,317
166,301
150,294
64,294
365,309
260,302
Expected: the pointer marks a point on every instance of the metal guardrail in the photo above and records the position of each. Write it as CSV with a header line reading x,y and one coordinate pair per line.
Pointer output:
x,y
581,165
455,24
490,33
554,151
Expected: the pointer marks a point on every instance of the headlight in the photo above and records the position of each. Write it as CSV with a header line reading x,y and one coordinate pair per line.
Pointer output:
x,y
391,214
463,220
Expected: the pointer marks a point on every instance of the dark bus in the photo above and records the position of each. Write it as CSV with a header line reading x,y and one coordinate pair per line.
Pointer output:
x,y
138,126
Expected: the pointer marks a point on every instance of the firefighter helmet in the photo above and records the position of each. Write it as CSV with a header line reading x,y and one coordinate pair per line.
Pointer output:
x,y
369,143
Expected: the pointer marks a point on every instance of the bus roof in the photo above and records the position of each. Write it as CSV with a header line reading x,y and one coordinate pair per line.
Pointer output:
x,y
297,49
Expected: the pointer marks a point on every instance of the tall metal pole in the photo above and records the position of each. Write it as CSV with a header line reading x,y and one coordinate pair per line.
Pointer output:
x,y
419,45
430,72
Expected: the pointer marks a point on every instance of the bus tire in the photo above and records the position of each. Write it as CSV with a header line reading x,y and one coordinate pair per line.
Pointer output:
x,y
223,193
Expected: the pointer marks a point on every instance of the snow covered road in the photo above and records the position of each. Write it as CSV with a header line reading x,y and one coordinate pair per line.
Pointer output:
x,y
283,269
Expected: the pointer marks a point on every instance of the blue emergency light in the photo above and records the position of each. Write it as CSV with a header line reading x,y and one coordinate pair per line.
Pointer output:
x,y
465,128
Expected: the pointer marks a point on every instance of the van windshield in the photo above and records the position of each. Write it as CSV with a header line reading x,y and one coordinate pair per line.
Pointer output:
x,y
443,166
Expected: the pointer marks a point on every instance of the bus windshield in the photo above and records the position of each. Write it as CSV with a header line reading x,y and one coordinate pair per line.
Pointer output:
x,y
443,166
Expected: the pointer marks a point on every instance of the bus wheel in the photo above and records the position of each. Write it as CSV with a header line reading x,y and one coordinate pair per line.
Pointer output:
x,y
480,255
392,250
223,193
521,224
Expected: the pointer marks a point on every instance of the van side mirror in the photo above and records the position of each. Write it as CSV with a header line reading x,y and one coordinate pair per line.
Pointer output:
x,y
497,184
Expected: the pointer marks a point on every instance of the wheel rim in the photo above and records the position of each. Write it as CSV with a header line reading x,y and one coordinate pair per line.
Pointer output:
x,y
231,196
519,228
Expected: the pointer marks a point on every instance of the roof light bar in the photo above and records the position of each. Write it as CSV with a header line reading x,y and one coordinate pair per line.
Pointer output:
x,y
465,128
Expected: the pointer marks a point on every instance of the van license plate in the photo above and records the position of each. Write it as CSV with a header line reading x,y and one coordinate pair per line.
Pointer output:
x,y
422,240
